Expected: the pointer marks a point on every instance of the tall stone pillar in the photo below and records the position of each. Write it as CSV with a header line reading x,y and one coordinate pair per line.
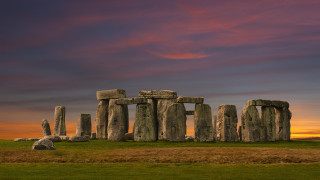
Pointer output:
x,y
59,121
84,125
283,117
203,130
268,125
145,125
175,123
228,121
117,121
250,124
102,119
162,108
46,128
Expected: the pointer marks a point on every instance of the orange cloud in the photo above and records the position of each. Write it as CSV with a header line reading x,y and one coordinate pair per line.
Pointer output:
x,y
180,56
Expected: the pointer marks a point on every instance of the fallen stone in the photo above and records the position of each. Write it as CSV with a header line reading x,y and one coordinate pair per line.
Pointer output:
x,y
268,125
111,94
228,121
53,138
102,119
129,136
20,139
33,139
84,125
43,144
145,125
189,113
59,121
79,138
93,136
274,103
162,107
46,128
282,120
118,121
135,100
182,99
189,138
64,138
163,94
203,130
175,123
250,124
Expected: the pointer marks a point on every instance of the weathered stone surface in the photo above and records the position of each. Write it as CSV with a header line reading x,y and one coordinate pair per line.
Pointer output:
x,y
145,125
102,119
163,94
228,121
175,123
135,100
59,121
111,94
250,124
129,136
268,126
189,138
183,99
84,125
118,121
64,138
203,130
162,107
273,103
93,136
46,128
79,138
189,113
240,133
43,144
53,138
214,126
33,139
282,120
20,139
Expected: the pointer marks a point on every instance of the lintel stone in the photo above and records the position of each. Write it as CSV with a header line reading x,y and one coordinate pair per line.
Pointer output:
x,y
111,94
163,94
134,100
183,99
273,103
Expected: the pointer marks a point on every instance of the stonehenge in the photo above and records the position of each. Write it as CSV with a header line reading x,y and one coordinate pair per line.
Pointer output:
x,y
203,129
84,125
227,121
46,128
59,121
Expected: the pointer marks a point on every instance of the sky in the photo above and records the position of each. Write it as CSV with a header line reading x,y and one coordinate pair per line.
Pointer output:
x,y
61,52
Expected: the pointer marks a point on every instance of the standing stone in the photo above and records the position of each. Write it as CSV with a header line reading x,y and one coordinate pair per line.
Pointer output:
x,y
282,116
240,133
203,130
59,121
250,124
145,124
175,123
162,107
215,127
117,121
84,125
102,119
228,121
46,128
268,126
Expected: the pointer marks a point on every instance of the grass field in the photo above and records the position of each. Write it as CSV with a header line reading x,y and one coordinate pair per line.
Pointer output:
x,y
100,159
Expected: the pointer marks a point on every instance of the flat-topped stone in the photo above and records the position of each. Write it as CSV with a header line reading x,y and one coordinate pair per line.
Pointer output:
x,y
273,103
134,100
111,94
183,99
189,112
228,121
163,94
43,144
84,125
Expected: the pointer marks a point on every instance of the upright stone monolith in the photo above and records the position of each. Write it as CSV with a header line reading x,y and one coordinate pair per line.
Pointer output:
x,y
59,121
175,123
203,130
162,107
282,116
250,124
102,119
145,124
268,125
117,121
228,121
46,128
84,125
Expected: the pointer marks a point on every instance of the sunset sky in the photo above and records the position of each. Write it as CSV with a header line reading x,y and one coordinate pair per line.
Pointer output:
x,y
62,52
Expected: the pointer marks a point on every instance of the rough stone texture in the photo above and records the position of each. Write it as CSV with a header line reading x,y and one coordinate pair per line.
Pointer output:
x,y
79,138
20,139
43,144
214,126
135,100
240,133
268,126
59,121
189,138
118,121
228,121
46,128
53,138
282,120
203,130
175,123
93,136
250,124
217,128
102,119
33,139
84,125
111,94
162,107
163,94
145,124
64,138
273,103
182,99
189,113
129,136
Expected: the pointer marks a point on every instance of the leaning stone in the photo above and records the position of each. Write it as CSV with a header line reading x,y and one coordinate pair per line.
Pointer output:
x,y
79,138
43,144
189,113
135,100
162,107
145,125
250,124
228,121
129,136
46,128
53,138
93,136
59,121
189,138
282,120
182,99
175,123
111,94
20,139
118,121
102,119
163,94
268,126
84,125
64,138
203,130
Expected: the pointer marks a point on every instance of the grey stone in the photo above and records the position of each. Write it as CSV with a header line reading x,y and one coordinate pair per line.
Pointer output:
x,y
270,103
135,100
111,94
228,121
79,138
240,133
183,99
93,136
214,126
217,128
189,113
43,144
250,124
268,126
282,120
118,121
53,138
189,138
20,139
162,107
64,138
175,123
33,139
102,119
59,121
84,125
46,128
203,130
145,124
163,94
129,136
